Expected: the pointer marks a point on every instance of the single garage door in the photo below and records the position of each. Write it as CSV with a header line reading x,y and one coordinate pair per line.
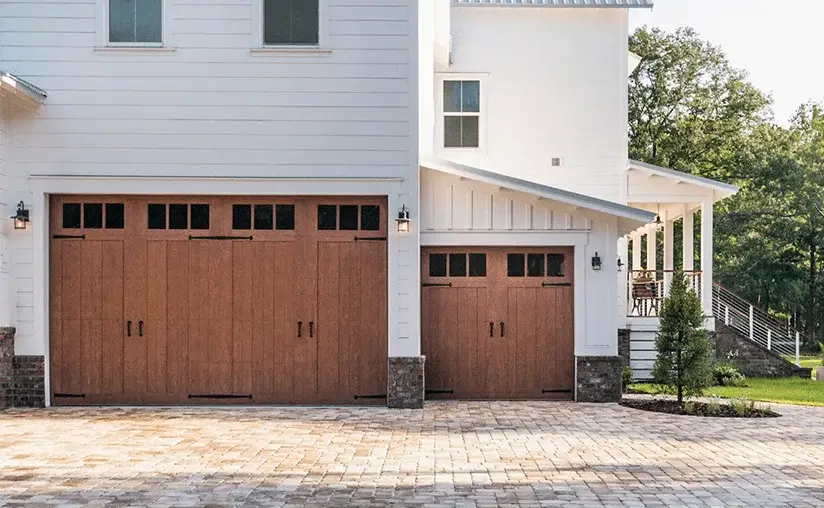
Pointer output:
x,y
187,300
498,323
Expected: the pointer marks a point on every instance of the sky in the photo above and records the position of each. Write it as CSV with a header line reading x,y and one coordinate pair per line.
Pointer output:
x,y
779,42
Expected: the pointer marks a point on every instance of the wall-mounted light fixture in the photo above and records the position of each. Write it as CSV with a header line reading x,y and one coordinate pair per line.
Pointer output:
x,y
403,220
620,264
21,218
596,262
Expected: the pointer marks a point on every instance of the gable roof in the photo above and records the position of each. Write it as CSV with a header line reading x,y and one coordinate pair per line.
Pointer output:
x,y
20,88
629,217
721,189
621,4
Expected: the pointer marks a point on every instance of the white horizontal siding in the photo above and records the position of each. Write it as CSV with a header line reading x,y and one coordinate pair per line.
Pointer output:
x,y
642,354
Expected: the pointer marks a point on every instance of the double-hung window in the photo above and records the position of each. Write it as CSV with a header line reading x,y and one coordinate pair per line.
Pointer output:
x,y
461,114
136,22
291,23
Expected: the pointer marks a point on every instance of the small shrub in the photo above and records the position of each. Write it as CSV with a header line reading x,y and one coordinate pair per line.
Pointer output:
x,y
743,406
690,408
726,374
714,405
626,377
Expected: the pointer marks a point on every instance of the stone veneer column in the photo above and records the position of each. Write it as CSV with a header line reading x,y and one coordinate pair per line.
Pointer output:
x,y
6,366
406,382
29,381
624,345
598,379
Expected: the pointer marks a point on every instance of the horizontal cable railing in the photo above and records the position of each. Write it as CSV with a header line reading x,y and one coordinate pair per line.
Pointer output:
x,y
755,324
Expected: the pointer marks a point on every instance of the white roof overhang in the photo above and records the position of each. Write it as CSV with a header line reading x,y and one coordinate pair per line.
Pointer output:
x,y
629,218
17,89
620,4
718,189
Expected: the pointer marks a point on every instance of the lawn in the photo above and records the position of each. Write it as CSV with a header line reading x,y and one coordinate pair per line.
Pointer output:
x,y
782,391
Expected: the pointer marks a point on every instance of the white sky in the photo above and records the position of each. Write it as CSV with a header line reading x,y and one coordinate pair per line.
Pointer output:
x,y
779,42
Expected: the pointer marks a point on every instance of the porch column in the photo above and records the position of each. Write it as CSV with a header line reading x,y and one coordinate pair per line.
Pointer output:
x,y
669,251
689,240
652,247
623,274
706,254
636,251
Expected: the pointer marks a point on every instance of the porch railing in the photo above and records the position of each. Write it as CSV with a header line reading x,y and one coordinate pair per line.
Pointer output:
x,y
646,290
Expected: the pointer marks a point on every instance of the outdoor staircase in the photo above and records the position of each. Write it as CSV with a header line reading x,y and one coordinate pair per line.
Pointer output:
x,y
755,325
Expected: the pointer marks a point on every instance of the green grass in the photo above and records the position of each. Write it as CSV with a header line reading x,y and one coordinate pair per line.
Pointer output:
x,y
806,392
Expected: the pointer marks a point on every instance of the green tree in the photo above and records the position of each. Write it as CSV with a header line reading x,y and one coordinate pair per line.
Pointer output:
x,y
684,360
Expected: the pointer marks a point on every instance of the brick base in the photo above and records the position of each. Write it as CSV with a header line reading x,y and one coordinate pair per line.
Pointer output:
x,y
598,379
406,382
22,378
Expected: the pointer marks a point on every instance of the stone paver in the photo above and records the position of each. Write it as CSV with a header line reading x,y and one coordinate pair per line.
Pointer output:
x,y
449,454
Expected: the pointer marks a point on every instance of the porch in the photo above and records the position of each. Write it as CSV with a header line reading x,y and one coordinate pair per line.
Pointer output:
x,y
680,238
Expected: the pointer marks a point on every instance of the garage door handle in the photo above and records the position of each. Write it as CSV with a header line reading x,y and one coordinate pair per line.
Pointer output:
x,y
502,328
128,328
140,328
491,328
311,329
300,325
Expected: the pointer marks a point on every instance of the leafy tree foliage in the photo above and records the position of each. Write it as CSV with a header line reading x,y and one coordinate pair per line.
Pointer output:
x,y
690,110
684,360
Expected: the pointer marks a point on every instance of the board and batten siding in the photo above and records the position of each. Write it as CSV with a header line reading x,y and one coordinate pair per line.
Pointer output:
x,y
214,104
553,85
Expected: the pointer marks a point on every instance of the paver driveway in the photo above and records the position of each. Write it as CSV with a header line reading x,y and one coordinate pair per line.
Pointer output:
x,y
450,454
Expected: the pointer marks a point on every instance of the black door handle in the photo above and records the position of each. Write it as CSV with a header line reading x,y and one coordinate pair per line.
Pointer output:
x,y
140,328
311,329
128,328
502,328
300,324
491,328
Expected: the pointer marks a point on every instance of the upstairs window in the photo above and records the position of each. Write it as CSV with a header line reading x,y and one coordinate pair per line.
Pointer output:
x,y
462,114
291,22
136,22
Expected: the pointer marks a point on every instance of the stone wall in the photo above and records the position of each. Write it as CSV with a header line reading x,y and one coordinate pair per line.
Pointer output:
x,y
623,345
598,379
6,367
406,382
751,358
29,381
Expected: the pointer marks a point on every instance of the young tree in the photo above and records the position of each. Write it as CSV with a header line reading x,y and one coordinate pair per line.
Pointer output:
x,y
684,350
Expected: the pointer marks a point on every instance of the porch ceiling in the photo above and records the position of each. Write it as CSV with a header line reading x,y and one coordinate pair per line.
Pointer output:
x,y
629,218
649,184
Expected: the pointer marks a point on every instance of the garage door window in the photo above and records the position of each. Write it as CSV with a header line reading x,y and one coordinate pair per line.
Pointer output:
x,y
455,265
349,217
180,216
535,265
263,217
93,215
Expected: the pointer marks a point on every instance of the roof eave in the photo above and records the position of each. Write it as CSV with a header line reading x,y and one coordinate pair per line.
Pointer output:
x,y
624,212
558,4
720,189
21,89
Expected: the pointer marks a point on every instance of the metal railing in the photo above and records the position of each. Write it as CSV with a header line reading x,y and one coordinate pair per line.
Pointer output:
x,y
646,290
755,323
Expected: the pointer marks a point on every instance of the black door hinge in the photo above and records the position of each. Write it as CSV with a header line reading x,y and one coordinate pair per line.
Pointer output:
x,y
220,237
370,238
556,284
557,391
375,396
437,285
439,392
70,395
69,237
219,396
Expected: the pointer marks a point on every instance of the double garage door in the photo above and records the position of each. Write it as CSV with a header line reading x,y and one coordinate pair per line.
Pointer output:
x,y
498,323
186,300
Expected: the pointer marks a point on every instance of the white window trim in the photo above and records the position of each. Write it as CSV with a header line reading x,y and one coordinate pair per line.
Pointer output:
x,y
103,43
257,33
440,114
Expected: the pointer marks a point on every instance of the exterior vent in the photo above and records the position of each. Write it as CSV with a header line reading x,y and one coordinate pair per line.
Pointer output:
x,y
556,162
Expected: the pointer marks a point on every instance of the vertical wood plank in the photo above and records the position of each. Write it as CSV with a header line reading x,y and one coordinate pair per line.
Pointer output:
x,y
178,318
155,325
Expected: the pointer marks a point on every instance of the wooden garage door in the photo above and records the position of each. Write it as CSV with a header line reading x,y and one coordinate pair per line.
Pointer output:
x,y
193,300
497,323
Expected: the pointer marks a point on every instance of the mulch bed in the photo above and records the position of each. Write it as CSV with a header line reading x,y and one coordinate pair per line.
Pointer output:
x,y
701,409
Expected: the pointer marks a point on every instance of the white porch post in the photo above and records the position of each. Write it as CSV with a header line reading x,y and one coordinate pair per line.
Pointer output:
x,y
689,241
706,254
623,253
669,251
636,251
652,246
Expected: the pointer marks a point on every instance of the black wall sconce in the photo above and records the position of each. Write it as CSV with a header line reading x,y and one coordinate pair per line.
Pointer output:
x,y
596,262
21,218
620,264
403,220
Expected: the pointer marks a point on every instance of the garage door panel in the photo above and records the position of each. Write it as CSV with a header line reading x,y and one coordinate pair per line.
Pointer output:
x,y
335,310
176,305
442,305
156,325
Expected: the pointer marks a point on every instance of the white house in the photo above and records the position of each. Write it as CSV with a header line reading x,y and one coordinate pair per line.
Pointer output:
x,y
319,201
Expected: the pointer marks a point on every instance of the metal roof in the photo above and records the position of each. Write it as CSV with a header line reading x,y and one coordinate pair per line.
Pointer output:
x,y
631,218
21,88
621,4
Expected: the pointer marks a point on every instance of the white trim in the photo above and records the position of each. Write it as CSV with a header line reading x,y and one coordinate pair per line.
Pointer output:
x,y
440,114
550,238
103,30
258,31
42,186
720,190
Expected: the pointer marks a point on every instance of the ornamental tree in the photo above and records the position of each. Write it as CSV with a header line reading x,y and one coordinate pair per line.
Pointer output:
x,y
684,360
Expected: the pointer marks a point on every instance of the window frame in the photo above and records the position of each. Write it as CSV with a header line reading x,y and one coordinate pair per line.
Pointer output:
x,y
103,29
259,30
440,130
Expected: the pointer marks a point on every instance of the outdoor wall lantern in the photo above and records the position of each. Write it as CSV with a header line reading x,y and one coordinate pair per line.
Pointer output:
x,y
403,220
596,262
21,218
620,264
